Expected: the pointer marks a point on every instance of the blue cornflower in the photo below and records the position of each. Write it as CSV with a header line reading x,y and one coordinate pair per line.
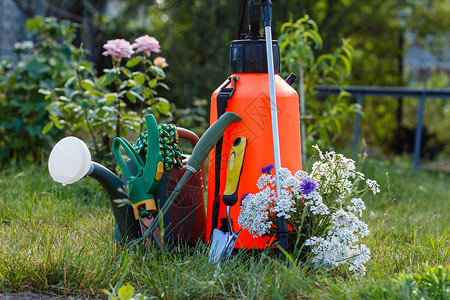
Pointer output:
x,y
243,197
307,186
267,169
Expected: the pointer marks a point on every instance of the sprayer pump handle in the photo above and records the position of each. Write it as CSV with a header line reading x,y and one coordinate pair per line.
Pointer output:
x,y
266,6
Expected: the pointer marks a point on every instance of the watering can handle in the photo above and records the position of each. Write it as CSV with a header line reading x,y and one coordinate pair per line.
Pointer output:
x,y
131,153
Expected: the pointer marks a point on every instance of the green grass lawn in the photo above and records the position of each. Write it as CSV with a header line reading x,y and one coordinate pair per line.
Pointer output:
x,y
58,240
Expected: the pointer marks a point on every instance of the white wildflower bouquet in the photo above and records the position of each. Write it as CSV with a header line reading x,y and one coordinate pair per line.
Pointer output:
x,y
322,210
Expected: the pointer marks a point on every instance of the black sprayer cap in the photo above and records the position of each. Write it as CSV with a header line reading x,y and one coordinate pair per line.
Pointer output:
x,y
249,56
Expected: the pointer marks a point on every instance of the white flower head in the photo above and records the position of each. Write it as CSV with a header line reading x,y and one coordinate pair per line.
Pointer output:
x,y
265,180
285,204
316,205
318,150
358,206
286,178
300,175
254,212
373,185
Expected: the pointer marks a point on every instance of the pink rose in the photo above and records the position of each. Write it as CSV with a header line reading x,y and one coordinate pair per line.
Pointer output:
x,y
118,48
160,62
147,44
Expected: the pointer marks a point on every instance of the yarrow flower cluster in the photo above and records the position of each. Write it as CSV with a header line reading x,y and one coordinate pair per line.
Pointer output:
x,y
328,199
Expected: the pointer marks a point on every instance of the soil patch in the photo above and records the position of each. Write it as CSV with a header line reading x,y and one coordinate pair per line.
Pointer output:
x,y
35,296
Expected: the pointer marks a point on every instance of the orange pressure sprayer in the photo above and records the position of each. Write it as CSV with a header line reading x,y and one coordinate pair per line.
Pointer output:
x,y
246,93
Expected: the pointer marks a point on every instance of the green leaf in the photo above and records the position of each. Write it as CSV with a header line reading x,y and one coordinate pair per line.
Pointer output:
x,y
137,95
44,92
162,106
139,79
107,79
316,40
54,109
348,49
133,62
85,104
64,99
94,92
87,84
132,83
110,98
126,72
158,71
152,83
33,23
101,81
284,26
47,127
131,97
35,68
74,93
163,85
59,124
108,109
348,65
53,118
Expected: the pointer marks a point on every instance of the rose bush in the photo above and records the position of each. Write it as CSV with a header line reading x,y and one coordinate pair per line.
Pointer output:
x,y
114,103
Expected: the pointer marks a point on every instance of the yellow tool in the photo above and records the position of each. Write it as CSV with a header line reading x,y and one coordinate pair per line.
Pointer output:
x,y
222,243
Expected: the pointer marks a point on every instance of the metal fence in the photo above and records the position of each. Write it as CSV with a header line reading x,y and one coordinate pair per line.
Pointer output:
x,y
360,91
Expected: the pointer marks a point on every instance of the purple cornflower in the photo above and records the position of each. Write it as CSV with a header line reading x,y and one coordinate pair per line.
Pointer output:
x,y
307,186
267,169
243,197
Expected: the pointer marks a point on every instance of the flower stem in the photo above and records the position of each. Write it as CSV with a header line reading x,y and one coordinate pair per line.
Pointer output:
x,y
116,82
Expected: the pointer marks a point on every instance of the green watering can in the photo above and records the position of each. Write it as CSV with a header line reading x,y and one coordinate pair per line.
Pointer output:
x,y
143,185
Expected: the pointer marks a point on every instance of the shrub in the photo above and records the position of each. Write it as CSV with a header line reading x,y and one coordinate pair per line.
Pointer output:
x,y
299,44
44,63
114,104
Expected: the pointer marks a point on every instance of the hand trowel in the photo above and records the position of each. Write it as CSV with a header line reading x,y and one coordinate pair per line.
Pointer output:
x,y
222,243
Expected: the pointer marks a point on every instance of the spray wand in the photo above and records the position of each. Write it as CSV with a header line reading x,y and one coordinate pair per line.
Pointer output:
x,y
266,6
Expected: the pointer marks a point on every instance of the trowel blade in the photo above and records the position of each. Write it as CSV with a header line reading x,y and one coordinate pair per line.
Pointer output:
x,y
145,223
222,244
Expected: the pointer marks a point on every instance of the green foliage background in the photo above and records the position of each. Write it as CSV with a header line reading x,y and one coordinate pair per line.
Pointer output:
x,y
195,37
380,32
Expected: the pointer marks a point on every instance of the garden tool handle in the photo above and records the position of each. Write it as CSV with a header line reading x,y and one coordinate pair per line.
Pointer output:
x,y
210,138
118,141
234,170
153,146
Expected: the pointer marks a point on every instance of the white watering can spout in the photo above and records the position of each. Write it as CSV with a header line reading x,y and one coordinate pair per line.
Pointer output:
x,y
69,161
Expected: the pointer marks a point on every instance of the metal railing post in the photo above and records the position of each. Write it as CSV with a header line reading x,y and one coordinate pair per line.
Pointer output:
x,y
419,127
357,124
